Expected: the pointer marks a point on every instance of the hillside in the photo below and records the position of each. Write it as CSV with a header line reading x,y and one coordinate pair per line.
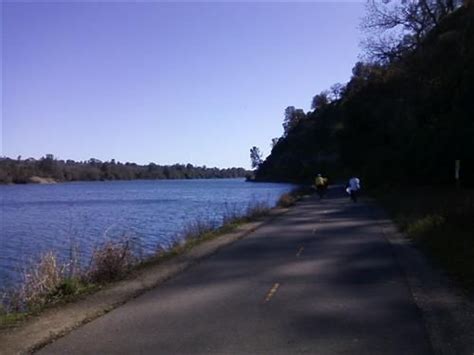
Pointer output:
x,y
405,121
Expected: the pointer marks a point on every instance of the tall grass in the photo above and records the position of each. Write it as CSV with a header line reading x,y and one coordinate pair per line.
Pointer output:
x,y
257,209
48,279
43,281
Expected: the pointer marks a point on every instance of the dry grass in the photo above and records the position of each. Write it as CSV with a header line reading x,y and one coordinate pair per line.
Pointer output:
x,y
48,280
197,229
256,209
44,281
112,261
232,213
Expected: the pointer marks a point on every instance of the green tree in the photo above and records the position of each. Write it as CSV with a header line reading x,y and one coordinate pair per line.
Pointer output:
x,y
293,117
321,100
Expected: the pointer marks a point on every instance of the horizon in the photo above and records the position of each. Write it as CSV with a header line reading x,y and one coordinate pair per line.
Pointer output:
x,y
170,83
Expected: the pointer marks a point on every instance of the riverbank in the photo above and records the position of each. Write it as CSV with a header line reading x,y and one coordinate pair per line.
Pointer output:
x,y
72,302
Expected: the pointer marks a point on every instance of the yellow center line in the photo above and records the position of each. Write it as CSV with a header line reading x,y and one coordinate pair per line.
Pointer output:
x,y
272,291
299,252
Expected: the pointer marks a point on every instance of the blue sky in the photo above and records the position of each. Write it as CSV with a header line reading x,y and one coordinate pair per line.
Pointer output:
x,y
166,82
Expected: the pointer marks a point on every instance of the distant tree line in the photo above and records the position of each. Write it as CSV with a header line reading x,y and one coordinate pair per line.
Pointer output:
x,y
406,114
22,171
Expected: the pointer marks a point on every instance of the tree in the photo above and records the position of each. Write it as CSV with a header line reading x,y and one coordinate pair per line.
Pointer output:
x,y
255,157
293,117
320,100
395,27
48,165
275,142
336,91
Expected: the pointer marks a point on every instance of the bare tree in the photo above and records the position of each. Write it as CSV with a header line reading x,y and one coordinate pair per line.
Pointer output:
x,y
395,27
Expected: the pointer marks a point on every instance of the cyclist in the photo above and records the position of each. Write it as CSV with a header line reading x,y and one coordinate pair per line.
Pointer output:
x,y
321,185
353,187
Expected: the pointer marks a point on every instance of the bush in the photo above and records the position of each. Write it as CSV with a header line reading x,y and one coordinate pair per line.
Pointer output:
x,y
111,261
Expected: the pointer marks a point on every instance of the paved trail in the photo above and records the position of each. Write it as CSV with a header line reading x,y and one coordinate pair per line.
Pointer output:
x,y
320,279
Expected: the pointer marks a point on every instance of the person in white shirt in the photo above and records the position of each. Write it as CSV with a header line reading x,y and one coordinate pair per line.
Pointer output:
x,y
353,187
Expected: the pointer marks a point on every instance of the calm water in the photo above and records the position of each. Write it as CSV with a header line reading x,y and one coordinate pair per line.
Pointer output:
x,y
39,218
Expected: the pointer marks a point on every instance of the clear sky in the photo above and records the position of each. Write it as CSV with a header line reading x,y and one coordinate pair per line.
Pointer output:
x,y
168,82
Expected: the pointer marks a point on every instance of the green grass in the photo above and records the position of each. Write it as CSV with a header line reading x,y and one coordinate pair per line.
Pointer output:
x,y
441,221
10,319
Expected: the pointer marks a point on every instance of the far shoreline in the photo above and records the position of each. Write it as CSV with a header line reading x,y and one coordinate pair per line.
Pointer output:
x,y
39,180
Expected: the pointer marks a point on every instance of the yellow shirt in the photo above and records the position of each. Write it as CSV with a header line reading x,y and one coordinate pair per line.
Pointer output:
x,y
320,181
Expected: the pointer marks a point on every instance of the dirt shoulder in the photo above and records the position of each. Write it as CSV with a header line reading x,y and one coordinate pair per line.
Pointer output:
x,y
59,320
447,311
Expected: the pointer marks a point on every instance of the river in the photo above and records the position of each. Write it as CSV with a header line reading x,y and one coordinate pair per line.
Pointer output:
x,y
40,218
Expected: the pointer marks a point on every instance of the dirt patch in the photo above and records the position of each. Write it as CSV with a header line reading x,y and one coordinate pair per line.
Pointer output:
x,y
41,180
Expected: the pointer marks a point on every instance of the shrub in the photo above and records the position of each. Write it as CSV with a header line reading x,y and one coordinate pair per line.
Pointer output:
x,y
111,261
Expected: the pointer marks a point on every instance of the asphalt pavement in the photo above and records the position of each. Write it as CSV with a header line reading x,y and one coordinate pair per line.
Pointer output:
x,y
320,279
